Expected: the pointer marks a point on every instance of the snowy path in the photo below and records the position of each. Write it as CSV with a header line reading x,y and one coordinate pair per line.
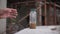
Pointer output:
x,y
39,30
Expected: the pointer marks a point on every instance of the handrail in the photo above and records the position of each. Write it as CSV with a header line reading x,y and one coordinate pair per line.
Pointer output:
x,y
23,18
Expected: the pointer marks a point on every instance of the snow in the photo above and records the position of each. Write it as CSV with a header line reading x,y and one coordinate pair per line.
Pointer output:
x,y
39,30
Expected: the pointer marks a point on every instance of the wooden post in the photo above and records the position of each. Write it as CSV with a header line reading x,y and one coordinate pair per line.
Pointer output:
x,y
45,12
39,12
55,12
50,14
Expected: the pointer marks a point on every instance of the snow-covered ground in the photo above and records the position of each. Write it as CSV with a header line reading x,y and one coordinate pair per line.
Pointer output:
x,y
41,30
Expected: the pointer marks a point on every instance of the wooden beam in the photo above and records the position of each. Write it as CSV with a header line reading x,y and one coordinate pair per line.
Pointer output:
x,y
24,2
36,1
53,4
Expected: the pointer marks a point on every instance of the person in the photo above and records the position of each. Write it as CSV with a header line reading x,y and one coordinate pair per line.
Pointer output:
x,y
8,13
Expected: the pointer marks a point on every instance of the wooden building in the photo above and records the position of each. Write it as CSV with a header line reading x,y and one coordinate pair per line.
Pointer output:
x,y
47,11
